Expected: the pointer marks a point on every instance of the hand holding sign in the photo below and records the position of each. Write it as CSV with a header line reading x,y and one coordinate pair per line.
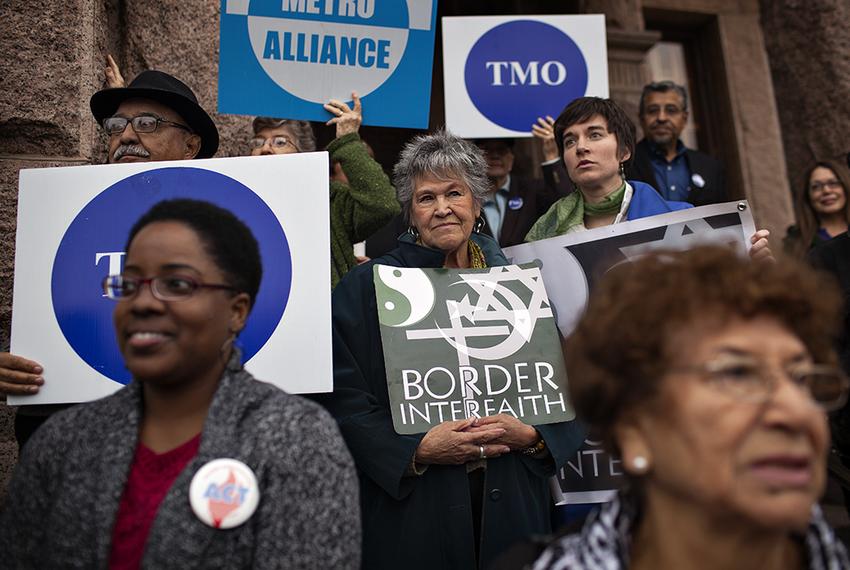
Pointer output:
x,y
760,251
114,79
18,375
347,120
450,443
544,129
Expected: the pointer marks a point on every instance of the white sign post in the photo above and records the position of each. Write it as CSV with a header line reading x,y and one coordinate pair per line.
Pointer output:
x,y
72,228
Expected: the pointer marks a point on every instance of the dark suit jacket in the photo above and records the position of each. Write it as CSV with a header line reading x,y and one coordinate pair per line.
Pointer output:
x,y
533,198
711,170
833,257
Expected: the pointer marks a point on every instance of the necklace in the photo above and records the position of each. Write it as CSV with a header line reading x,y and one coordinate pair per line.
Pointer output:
x,y
476,256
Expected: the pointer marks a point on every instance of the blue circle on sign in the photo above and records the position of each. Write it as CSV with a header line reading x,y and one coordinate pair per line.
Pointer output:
x,y
522,70
93,247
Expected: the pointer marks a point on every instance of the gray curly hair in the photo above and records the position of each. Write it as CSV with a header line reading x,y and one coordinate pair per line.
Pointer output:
x,y
444,156
305,140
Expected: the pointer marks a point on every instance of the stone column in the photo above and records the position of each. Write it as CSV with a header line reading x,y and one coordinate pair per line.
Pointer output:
x,y
627,44
627,71
757,131
51,60
809,54
190,53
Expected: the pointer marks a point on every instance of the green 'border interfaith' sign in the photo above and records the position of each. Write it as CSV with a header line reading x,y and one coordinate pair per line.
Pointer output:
x,y
469,343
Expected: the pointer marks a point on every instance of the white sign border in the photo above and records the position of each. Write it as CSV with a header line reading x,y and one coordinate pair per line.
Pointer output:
x,y
292,358
460,33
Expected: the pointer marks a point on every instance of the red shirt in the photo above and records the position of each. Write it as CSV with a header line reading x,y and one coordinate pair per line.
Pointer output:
x,y
151,476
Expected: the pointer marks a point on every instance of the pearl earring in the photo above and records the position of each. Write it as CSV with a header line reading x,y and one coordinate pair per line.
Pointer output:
x,y
640,463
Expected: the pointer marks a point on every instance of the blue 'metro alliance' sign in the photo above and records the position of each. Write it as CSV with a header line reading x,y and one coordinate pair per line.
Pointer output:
x,y
285,58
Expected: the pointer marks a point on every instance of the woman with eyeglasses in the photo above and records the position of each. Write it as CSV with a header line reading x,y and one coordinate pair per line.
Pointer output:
x,y
362,201
194,463
824,205
821,206
713,391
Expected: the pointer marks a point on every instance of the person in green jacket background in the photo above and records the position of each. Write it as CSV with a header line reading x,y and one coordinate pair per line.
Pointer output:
x,y
358,208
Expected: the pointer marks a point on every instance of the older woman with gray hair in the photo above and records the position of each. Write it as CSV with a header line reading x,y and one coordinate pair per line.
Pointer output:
x,y
458,495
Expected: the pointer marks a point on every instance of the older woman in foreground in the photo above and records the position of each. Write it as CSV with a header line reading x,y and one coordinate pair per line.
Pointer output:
x,y
713,391
459,494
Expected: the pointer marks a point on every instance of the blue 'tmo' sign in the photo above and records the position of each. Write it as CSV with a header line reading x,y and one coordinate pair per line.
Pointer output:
x,y
285,58
507,71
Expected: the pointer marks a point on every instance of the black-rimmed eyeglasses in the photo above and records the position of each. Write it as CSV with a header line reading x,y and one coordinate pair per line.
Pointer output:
x,y
141,124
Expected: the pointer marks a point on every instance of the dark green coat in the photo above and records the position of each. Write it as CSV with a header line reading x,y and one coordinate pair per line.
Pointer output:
x,y
425,521
359,208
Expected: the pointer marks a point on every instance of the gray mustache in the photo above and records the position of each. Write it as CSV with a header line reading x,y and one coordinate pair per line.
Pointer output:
x,y
131,150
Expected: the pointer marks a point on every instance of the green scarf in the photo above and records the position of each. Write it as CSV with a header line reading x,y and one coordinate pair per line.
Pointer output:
x,y
569,212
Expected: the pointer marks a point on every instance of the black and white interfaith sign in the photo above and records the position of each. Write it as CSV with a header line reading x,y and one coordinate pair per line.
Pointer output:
x,y
571,265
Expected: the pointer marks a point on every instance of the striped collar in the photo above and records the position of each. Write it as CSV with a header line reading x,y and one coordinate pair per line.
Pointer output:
x,y
604,542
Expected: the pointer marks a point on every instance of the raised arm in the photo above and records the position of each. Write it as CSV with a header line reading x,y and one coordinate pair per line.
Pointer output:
x,y
367,202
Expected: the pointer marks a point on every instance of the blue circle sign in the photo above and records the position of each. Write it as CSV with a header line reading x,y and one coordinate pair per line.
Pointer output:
x,y
93,247
522,70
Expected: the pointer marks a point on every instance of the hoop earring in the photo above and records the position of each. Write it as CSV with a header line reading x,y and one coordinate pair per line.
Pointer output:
x,y
226,347
479,224
413,232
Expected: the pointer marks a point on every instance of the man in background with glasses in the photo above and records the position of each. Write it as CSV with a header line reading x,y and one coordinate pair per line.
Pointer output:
x,y
157,117
663,161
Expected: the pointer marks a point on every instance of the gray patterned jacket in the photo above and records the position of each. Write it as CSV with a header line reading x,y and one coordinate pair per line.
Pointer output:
x,y
65,493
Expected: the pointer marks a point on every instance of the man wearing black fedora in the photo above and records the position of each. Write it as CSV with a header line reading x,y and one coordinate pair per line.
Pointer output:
x,y
156,117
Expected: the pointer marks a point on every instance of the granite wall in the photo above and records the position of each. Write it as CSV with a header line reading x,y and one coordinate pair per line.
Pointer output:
x,y
49,66
809,50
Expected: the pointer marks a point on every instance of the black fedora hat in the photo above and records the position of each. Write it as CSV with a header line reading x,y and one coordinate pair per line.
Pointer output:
x,y
169,91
